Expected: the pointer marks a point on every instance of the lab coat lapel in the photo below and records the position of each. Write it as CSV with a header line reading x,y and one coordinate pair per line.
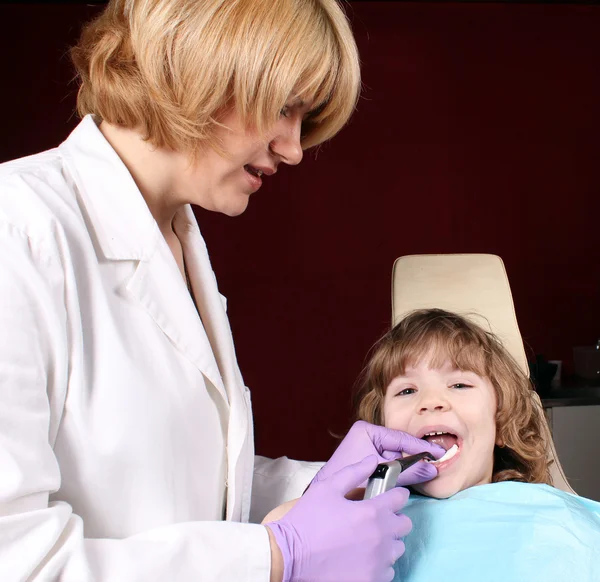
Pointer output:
x,y
214,317
126,231
158,286
208,299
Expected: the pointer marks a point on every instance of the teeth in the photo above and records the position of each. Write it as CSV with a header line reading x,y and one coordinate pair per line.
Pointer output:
x,y
449,454
252,170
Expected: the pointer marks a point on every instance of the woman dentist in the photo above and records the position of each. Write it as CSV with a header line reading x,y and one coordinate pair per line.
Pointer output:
x,y
126,445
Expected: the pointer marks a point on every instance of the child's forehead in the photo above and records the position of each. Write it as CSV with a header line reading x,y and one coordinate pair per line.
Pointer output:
x,y
446,366
443,358
429,363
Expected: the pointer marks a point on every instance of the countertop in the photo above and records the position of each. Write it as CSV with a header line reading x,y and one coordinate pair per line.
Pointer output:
x,y
574,391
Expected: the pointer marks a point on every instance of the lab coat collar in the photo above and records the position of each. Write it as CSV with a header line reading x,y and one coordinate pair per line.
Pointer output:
x,y
126,230
111,196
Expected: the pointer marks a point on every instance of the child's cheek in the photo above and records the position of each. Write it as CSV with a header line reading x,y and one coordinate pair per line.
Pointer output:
x,y
394,419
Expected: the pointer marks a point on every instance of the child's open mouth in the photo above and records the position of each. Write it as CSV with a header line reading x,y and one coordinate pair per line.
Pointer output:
x,y
449,455
446,440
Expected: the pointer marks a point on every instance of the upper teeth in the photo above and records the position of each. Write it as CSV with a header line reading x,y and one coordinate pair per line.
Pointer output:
x,y
258,172
434,433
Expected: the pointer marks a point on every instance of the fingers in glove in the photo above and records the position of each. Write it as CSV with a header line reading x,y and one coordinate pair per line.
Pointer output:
x,y
391,455
393,500
388,575
387,439
398,550
402,526
419,473
354,475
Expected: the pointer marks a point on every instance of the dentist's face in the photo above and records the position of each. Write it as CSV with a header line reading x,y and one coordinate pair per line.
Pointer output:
x,y
461,406
225,184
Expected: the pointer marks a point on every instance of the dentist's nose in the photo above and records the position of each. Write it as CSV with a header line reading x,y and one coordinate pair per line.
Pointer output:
x,y
286,144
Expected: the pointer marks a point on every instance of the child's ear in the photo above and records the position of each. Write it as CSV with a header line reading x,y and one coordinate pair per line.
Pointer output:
x,y
499,439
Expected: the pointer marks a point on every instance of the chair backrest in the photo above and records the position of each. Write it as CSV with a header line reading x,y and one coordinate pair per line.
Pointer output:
x,y
475,286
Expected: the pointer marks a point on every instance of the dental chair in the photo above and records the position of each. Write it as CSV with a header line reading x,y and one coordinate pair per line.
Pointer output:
x,y
475,286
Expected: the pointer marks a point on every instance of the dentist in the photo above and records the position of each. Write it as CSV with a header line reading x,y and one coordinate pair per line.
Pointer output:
x,y
126,442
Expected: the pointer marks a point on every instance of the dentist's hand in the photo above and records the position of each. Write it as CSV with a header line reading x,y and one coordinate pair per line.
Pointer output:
x,y
364,439
327,538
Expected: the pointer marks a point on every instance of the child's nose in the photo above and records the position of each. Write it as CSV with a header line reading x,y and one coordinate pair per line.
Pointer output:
x,y
433,403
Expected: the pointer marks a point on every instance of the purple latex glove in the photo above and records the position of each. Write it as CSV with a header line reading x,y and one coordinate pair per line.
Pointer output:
x,y
364,439
328,538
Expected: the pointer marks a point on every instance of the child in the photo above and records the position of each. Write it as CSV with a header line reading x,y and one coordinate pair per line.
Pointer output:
x,y
490,513
437,372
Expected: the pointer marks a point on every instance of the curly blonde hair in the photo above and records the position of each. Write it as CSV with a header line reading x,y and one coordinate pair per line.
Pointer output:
x,y
522,455
171,68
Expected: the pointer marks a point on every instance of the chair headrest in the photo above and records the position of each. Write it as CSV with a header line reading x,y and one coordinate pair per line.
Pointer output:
x,y
473,285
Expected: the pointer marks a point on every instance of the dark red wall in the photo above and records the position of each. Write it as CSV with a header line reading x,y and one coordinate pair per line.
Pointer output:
x,y
477,132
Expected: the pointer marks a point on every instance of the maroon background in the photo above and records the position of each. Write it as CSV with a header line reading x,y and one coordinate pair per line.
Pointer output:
x,y
477,132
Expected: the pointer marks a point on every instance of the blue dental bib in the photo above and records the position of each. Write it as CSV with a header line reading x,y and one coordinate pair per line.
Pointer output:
x,y
505,532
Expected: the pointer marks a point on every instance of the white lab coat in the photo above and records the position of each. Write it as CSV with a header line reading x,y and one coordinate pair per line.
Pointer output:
x,y
125,426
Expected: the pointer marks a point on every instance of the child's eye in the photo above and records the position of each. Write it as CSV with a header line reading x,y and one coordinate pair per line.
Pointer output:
x,y
461,385
406,392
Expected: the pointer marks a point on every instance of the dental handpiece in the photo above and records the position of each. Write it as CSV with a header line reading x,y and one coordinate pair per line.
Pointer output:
x,y
386,474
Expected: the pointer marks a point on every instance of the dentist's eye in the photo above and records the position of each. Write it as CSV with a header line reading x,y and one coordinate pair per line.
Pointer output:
x,y
285,112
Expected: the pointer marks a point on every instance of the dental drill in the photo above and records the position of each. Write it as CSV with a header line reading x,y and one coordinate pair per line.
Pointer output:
x,y
386,474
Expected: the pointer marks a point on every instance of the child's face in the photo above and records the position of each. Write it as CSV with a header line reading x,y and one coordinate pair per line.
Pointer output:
x,y
447,400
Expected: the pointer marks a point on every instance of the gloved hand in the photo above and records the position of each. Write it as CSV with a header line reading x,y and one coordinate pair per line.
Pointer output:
x,y
364,439
328,538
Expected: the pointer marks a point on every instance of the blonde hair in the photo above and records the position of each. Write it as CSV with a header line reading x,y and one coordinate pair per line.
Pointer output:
x,y
442,335
170,68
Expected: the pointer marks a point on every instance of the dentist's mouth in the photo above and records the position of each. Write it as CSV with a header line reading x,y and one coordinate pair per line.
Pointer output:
x,y
254,177
253,171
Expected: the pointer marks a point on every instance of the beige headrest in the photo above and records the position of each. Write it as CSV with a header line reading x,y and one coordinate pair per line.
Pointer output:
x,y
475,286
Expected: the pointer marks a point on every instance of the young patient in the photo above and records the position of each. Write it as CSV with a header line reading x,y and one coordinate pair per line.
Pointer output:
x,y
438,376
491,513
